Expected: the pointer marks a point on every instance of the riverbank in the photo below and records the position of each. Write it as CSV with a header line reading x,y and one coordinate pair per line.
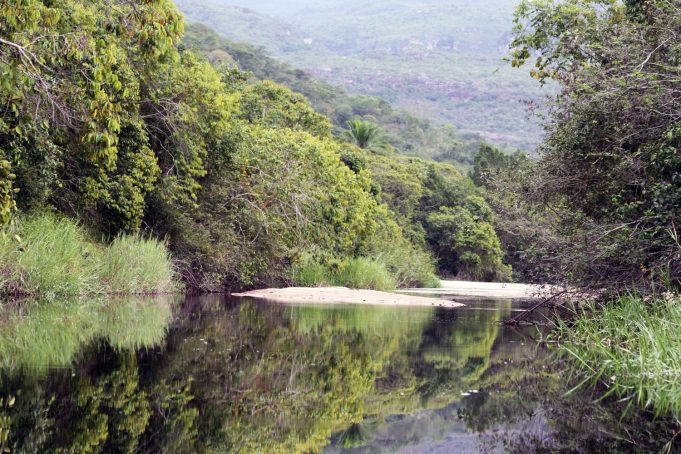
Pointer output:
x,y
343,295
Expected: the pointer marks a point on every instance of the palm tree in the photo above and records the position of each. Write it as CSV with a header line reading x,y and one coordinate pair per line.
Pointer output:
x,y
366,135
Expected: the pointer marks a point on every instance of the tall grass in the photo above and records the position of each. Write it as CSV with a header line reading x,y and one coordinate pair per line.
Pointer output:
x,y
134,265
410,266
395,264
365,273
633,346
357,273
49,256
312,274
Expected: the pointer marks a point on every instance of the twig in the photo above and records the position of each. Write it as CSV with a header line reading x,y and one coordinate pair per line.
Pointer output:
x,y
516,320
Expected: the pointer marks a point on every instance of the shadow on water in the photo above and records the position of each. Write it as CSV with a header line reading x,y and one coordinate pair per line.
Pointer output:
x,y
226,375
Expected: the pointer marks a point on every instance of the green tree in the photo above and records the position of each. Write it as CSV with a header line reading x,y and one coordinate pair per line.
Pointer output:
x,y
71,75
366,135
490,161
7,202
466,245
610,163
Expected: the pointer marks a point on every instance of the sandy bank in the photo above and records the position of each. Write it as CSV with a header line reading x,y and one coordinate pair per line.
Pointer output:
x,y
342,295
485,290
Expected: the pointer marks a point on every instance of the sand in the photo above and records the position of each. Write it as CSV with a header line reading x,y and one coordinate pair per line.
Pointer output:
x,y
342,295
485,290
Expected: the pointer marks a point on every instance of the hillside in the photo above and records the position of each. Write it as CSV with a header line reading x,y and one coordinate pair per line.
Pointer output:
x,y
435,59
407,133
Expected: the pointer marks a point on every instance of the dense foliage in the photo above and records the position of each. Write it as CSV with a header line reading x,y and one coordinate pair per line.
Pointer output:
x,y
76,81
108,120
609,178
438,207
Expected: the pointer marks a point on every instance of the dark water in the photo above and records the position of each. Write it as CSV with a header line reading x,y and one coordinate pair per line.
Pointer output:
x,y
225,375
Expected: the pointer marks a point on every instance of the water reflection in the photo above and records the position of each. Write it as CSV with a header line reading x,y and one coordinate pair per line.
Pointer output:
x,y
239,376
39,335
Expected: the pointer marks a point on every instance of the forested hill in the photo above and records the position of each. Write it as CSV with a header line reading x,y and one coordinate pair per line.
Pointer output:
x,y
407,133
437,59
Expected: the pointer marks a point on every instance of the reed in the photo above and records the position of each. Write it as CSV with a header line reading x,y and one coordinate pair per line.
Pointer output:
x,y
633,347
48,256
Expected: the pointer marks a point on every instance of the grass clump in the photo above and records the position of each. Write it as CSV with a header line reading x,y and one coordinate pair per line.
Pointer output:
x,y
395,264
410,266
312,274
135,265
365,273
357,273
49,256
633,346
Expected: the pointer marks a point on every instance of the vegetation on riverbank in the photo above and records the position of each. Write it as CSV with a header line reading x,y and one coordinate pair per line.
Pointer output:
x,y
631,345
357,273
130,133
48,256
600,210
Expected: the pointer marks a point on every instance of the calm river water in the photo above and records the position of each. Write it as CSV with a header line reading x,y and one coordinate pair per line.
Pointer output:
x,y
217,374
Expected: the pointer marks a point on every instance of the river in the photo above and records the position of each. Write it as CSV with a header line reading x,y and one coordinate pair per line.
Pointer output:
x,y
221,374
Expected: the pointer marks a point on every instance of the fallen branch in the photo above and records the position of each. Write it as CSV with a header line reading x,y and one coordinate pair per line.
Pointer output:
x,y
515,321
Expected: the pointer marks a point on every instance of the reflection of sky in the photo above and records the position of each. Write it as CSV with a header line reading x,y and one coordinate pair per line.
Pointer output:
x,y
441,432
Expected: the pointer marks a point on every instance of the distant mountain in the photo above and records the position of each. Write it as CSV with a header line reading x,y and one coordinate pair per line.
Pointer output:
x,y
438,59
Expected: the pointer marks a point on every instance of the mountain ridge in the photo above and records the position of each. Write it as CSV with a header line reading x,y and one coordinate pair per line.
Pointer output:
x,y
437,60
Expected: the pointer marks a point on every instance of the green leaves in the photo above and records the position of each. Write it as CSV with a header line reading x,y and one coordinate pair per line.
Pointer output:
x,y
609,173
7,203
466,243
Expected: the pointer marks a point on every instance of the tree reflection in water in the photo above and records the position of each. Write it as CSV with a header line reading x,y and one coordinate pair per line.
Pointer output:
x,y
250,377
